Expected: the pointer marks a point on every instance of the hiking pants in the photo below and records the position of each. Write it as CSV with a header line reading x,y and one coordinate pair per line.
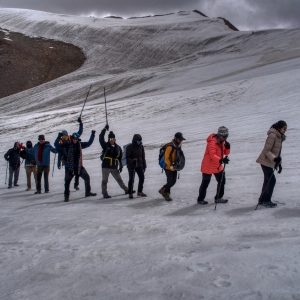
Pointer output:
x,y
171,180
76,181
39,173
205,183
140,173
29,170
13,172
83,174
116,175
269,184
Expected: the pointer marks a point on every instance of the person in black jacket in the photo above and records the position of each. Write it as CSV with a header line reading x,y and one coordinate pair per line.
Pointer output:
x,y
74,161
111,161
13,157
136,162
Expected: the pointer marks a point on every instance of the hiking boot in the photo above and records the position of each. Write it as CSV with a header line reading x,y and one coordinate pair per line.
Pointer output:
x,y
37,192
9,187
141,194
130,196
106,196
167,197
76,187
127,192
162,191
46,191
90,194
202,202
66,199
28,189
16,184
269,204
221,200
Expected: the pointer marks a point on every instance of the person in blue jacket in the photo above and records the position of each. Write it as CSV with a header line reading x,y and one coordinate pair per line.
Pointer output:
x,y
61,155
41,152
74,162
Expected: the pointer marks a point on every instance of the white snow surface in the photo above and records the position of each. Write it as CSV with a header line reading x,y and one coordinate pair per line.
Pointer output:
x,y
181,72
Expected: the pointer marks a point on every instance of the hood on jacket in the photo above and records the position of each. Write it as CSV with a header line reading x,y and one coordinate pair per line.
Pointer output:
x,y
28,144
136,137
211,137
275,131
15,144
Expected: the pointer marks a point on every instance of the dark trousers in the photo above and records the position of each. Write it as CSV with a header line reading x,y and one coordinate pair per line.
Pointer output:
x,y
83,174
39,173
76,181
269,184
205,183
140,173
171,180
13,172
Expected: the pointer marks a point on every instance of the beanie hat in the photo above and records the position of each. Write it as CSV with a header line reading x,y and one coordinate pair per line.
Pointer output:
x,y
111,135
75,134
41,137
64,132
223,131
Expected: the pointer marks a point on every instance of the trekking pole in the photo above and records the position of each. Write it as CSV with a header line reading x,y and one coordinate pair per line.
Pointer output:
x,y
219,189
85,101
6,172
105,107
53,164
262,194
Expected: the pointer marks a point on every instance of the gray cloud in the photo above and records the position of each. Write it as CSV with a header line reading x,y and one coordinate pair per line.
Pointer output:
x,y
244,14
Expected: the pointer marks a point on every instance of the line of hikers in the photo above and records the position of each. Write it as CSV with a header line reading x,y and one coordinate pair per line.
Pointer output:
x,y
171,159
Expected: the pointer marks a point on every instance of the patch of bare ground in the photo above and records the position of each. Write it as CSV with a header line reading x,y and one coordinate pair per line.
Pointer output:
x,y
26,62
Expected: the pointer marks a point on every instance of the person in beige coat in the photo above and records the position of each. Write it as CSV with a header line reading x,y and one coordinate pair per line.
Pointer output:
x,y
270,160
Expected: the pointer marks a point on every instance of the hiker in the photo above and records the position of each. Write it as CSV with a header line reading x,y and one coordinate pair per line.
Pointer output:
x,y
13,158
212,164
171,152
41,152
61,156
136,163
74,162
270,160
30,165
111,161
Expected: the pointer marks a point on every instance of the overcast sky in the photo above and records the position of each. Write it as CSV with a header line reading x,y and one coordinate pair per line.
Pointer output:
x,y
244,14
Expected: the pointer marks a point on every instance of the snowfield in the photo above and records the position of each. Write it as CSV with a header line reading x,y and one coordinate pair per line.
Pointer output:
x,y
181,72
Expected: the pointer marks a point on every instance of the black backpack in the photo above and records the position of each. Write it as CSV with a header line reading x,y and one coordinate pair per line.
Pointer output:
x,y
23,154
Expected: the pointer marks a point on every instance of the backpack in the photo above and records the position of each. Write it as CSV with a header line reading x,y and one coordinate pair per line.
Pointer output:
x,y
124,160
180,159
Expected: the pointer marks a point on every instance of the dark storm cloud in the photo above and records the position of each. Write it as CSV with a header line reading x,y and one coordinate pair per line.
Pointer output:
x,y
244,14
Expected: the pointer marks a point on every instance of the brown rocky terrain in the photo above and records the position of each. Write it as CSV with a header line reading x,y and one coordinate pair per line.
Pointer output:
x,y
27,62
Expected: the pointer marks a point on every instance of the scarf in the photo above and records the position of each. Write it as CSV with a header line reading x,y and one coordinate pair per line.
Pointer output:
x,y
71,157
40,152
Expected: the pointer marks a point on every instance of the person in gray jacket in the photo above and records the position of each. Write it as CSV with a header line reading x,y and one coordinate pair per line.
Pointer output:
x,y
270,160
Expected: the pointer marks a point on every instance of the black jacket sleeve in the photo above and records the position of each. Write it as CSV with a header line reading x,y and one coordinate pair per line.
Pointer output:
x,y
101,139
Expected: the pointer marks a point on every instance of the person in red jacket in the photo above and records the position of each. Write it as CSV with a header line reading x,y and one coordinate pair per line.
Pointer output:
x,y
212,163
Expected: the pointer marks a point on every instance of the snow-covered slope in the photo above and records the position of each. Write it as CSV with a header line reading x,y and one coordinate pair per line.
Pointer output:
x,y
180,72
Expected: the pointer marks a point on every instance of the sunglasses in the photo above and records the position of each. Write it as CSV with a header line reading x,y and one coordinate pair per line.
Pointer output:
x,y
41,139
138,141
112,139
75,138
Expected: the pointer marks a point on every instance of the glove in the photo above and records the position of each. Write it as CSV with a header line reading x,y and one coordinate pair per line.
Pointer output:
x,y
106,127
22,147
79,120
58,167
60,135
227,145
224,160
144,170
120,170
93,132
279,169
277,159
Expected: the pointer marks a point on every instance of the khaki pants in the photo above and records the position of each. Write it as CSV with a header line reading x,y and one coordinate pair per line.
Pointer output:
x,y
115,173
29,170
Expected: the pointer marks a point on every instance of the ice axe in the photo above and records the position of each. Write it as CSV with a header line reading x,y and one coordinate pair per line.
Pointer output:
x,y
85,101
